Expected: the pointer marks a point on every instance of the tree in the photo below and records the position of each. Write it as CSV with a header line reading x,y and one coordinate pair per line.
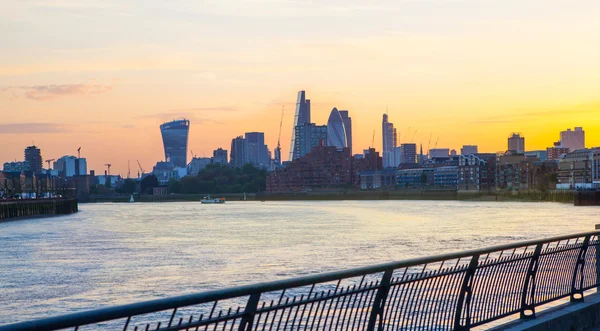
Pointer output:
x,y
175,186
129,186
423,179
148,184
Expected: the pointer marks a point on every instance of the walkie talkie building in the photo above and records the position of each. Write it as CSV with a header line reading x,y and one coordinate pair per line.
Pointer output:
x,y
175,141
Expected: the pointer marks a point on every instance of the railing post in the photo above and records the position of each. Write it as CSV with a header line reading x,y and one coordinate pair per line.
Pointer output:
x,y
464,298
578,271
249,312
529,287
597,251
379,302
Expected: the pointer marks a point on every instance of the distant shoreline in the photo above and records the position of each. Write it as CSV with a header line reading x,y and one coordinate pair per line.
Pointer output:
x,y
552,196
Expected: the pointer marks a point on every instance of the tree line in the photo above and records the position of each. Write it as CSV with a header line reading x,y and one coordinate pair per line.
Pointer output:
x,y
214,179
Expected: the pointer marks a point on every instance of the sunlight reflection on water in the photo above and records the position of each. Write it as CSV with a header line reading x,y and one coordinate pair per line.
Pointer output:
x,y
111,254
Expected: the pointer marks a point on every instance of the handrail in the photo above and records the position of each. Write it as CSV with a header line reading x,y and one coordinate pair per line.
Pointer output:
x,y
468,271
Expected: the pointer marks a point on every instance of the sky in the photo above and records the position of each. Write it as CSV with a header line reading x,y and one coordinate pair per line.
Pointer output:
x,y
103,75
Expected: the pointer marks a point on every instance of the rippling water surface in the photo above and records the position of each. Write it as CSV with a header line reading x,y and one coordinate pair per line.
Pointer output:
x,y
110,254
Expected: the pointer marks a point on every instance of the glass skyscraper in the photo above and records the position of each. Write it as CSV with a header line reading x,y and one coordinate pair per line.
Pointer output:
x,y
256,150
302,117
309,136
389,142
175,141
348,127
336,133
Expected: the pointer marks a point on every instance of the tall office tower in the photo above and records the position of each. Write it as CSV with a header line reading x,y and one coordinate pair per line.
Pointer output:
x,y
468,150
573,139
256,150
302,117
309,136
220,156
336,133
33,155
238,156
408,154
175,141
516,142
389,142
348,127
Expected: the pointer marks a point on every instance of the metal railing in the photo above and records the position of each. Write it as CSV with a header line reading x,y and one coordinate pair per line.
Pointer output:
x,y
454,291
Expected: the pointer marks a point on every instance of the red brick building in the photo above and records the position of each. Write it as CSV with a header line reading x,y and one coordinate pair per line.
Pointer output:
x,y
325,167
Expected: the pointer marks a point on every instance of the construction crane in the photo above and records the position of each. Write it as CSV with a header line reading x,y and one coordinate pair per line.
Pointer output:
x,y
108,165
280,125
436,141
429,143
79,153
373,140
48,161
278,149
141,169
128,170
413,136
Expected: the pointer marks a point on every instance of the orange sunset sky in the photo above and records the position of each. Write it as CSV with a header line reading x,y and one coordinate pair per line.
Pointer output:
x,y
104,75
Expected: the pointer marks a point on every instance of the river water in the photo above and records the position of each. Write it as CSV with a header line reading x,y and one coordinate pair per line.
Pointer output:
x,y
109,254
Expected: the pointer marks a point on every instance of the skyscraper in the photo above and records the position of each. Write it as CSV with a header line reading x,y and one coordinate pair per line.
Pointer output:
x,y
257,152
389,142
408,154
302,117
309,136
33,156
336,133
238,155
175,140
348,126
516,142
573,139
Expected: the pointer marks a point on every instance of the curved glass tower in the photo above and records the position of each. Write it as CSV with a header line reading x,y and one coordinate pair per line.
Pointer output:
x,y
175,140
336,132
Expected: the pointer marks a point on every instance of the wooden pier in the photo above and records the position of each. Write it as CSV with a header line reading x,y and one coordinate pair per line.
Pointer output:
x,y
12,209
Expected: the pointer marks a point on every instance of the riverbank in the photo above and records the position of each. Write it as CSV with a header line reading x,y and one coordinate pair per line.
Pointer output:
x,y
21,209
552,196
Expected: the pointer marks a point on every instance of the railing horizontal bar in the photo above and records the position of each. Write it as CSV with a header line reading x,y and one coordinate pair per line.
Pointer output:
x,y
124,311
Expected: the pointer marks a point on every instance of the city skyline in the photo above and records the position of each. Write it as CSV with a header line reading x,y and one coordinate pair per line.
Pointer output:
x,y
469,77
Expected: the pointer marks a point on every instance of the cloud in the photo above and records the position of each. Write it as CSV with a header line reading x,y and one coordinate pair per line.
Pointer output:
x,y
51,92
217,108
31,128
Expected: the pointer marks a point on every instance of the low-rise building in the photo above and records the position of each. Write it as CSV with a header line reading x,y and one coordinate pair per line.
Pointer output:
x,y
325,167
579,170
16,166
378,179
445,177
199,163
477,172
555,153
414,178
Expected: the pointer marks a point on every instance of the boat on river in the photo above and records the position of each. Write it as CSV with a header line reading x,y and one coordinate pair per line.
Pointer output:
x,y
208,199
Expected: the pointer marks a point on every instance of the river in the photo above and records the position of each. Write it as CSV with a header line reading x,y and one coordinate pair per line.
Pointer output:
x,y
109,254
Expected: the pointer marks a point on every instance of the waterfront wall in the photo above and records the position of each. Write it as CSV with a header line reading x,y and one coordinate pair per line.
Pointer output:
x,y
429,194
13,209
587,198
164,198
